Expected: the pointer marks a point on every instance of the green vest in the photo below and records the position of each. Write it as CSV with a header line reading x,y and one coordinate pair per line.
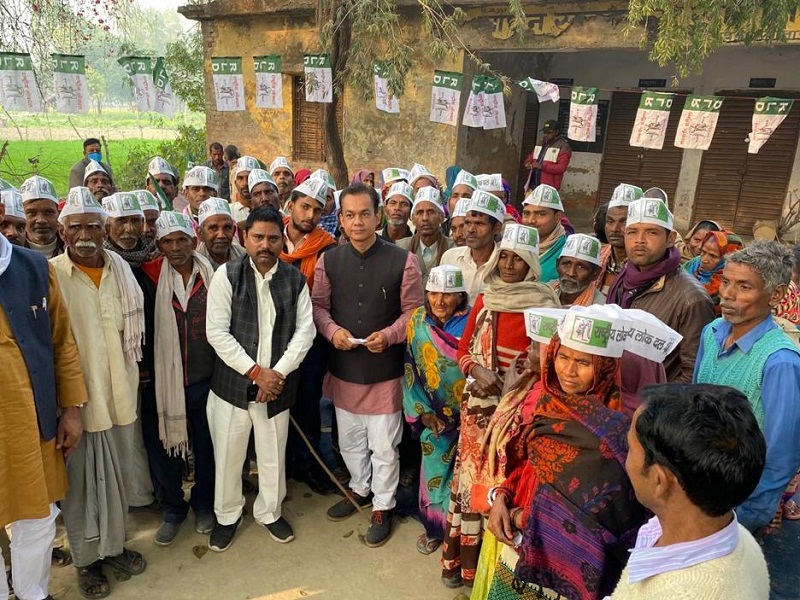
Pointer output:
x,y
738,370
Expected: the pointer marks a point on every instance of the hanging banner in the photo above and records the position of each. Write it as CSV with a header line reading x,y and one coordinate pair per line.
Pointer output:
x,y
650,126
583,114
319,78
140,69
164,100
473,112
494,108
226,73
384,100
69,83
768,113
698,122
446,97
269,81
18,89
544,91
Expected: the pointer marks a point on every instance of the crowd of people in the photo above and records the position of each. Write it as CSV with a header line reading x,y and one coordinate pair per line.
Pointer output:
x,y
581,416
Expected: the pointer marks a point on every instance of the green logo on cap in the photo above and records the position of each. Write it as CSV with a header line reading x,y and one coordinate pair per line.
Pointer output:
x,y
591,332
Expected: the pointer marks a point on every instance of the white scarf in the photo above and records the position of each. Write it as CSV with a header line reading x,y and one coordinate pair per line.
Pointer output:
x,y
170,394
5,253
132,308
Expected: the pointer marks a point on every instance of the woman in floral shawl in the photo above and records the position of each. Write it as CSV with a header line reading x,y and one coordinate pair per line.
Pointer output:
x,y
432,393
707,266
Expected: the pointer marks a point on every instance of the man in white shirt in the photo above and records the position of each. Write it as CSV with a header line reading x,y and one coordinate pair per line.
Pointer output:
x,y
259,322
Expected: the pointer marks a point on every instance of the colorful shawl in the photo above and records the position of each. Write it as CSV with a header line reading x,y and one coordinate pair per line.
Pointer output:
x,y
789,306
583,515
728,242
361,176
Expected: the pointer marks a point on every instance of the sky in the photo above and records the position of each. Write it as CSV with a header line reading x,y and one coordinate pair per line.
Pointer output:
x,y
162,5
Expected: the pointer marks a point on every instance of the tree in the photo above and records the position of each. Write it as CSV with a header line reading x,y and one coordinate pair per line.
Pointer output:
x,y
185,63
687,32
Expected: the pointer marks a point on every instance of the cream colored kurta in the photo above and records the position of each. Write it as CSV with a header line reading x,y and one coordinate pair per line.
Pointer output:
x,y
32,474
96,317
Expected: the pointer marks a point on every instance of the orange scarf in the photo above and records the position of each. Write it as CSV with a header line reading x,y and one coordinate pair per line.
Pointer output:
x,y
308,252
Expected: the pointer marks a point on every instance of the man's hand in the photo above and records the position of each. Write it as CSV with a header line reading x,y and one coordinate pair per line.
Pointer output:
x,y
340,341
376,342
70,430
270,385
432,422
535,165
500,521
487,383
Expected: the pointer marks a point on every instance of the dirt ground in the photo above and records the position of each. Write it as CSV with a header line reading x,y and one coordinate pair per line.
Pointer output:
x,y
326,561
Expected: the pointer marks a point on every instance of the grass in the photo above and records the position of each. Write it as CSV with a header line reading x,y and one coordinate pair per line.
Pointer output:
x,y
110,118
57,157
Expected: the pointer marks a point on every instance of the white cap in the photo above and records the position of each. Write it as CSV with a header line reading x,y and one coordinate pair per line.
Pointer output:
x,y
314,188
245,163
202,176
280,162
488,204
490,183
649,210
213,206
159,166
583,247
461,208
393,174
466,178
336,203
428,194
541,324
419,171
401,188
12,200
38,188
146,200
325,176
446,279
80,201
92,168
545,196
520,237
122,204
5,185
170,221
624,194
260,176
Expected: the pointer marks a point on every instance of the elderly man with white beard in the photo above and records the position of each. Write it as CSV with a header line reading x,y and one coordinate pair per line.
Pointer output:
x,y
578,267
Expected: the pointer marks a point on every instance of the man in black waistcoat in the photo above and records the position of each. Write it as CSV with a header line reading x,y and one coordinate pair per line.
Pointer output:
x,y
364,293
260,324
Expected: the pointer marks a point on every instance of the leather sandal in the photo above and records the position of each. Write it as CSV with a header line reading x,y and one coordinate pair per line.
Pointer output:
x,y
126,564
426,545
92,583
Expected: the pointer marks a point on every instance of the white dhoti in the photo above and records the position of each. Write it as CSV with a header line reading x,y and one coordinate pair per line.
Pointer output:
x,y
230,432
31,554
368,444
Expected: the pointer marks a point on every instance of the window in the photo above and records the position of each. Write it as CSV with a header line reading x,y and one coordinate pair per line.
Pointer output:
x,y
307,133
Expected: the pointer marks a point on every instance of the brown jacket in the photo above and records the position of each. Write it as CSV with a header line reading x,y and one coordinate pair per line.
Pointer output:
x,y
681,302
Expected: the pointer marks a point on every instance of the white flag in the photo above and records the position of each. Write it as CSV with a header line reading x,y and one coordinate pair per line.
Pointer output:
x,y
583,114
69,83
318,78
164,100
698,122
226,74
18,89
446,97
473,112
384,100
494,108
768,113
140,69
269,82
544,90
652,117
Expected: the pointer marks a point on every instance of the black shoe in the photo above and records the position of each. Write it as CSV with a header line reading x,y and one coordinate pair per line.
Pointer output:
x,y
380,528
319,483
344,508
221,537
167,533
204,522
280,531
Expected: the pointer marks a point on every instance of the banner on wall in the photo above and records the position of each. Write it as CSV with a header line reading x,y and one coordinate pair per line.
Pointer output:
x,y
226,74
69,83
18,90
768,113
652,117
446,97
698,122
140,70
164,100
385,101
583,114
269,81
318,78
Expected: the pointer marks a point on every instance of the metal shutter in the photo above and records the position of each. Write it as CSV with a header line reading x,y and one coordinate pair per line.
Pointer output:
x,y
638,166
737,188
530,137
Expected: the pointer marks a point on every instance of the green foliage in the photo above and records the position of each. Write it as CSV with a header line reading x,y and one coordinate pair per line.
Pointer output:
x,y
185,65
685,33
189,146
